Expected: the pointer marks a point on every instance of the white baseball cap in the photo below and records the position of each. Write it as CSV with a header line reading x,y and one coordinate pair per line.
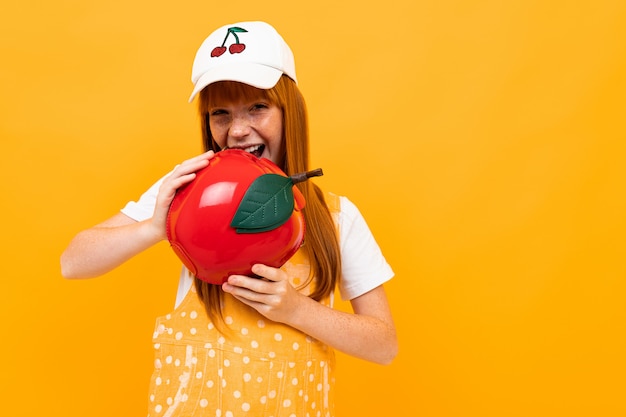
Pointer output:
x,y
248,52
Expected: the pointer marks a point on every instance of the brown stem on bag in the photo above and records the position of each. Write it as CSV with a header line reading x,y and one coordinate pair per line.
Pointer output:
x,y
303,176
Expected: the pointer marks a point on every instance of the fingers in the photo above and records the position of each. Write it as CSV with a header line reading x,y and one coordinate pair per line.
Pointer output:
x,y
192,165
263,284
260,294
272,295
269,273
202,158
243,284
184,173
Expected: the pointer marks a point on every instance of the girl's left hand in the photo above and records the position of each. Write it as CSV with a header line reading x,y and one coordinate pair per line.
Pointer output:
x,y
368,333
272,295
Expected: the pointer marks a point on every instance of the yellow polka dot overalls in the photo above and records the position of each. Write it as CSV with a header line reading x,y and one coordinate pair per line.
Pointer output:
x,y
259,369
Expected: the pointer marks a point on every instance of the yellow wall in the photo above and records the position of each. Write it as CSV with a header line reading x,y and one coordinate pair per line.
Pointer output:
x,y
483,140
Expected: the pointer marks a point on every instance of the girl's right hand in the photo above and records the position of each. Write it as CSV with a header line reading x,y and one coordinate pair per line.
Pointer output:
x,y
181,175
103,247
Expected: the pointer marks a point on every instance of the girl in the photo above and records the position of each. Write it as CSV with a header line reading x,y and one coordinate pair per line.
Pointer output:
x,y
258,347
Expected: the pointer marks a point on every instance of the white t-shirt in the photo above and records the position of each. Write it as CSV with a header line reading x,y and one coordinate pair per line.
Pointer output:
x,y
363,265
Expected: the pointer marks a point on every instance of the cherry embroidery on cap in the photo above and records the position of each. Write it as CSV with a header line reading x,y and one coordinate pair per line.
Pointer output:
x,y
234,48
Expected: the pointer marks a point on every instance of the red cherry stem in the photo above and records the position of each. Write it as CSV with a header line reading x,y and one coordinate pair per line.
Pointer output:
x,y
303,176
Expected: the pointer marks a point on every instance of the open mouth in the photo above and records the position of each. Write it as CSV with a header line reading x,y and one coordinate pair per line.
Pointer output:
x,y
256,150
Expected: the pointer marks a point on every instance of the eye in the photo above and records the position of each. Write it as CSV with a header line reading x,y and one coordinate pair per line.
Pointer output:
x,y
218,117
259,106
217,112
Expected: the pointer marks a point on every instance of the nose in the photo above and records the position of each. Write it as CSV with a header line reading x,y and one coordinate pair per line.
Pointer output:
x,y
239,128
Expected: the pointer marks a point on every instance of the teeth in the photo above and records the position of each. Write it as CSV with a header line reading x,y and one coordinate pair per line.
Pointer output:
x,y
252,149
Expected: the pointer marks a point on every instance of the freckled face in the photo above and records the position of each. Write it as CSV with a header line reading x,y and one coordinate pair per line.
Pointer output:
x,y
255,126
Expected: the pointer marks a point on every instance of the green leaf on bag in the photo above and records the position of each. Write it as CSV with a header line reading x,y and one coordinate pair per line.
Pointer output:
x,y
267,204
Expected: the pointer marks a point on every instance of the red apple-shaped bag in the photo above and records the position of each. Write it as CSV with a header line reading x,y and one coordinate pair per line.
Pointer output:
x,y
240,210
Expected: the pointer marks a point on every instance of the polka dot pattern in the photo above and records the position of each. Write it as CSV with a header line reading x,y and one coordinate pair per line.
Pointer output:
x,y
260,368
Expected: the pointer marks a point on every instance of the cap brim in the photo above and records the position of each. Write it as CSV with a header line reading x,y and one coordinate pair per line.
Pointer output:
x,y
256,75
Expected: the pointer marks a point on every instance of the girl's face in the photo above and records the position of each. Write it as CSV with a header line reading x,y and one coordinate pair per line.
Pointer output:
x,y
253,125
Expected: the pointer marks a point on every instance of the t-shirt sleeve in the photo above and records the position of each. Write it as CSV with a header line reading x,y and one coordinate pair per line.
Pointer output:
x,y
363,265
143,208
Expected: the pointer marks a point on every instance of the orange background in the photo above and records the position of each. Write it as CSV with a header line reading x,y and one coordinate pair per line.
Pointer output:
x,y
483,140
